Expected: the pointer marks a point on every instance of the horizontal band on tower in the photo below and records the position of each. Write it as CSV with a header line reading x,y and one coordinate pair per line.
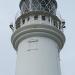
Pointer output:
x,y
40,31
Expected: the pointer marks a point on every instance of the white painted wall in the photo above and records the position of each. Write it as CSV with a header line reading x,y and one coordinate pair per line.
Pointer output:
x,y
38,56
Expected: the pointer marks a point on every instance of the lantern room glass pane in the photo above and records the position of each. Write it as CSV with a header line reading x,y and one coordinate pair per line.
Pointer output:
x,y
25,6
37,5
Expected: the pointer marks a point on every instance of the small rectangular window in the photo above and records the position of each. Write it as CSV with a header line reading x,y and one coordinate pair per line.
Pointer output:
x,y
17,25
43,17
23,21
28,18
36,17
49,19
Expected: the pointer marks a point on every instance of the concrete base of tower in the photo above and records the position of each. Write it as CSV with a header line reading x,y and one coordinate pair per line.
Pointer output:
x,y
38,56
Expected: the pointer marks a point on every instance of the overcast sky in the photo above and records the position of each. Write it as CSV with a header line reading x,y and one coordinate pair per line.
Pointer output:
x,y
8,10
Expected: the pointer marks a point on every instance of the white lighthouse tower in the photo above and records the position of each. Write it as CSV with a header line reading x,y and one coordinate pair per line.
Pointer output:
x,y
38,38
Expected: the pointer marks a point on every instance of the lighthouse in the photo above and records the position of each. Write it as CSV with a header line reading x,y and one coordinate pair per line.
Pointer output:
x,y
38,38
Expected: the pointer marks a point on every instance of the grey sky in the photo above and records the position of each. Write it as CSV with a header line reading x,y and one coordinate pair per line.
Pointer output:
x,y
8,10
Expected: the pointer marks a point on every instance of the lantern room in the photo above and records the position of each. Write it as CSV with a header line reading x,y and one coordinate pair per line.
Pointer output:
x,y
38,5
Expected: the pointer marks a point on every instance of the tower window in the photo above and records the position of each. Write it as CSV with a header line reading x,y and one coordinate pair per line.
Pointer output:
x,y
28,18
49,19
36,17
43,17
23,21
17,25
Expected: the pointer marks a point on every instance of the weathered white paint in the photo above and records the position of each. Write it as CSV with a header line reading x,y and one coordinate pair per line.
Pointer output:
x,y
38,56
